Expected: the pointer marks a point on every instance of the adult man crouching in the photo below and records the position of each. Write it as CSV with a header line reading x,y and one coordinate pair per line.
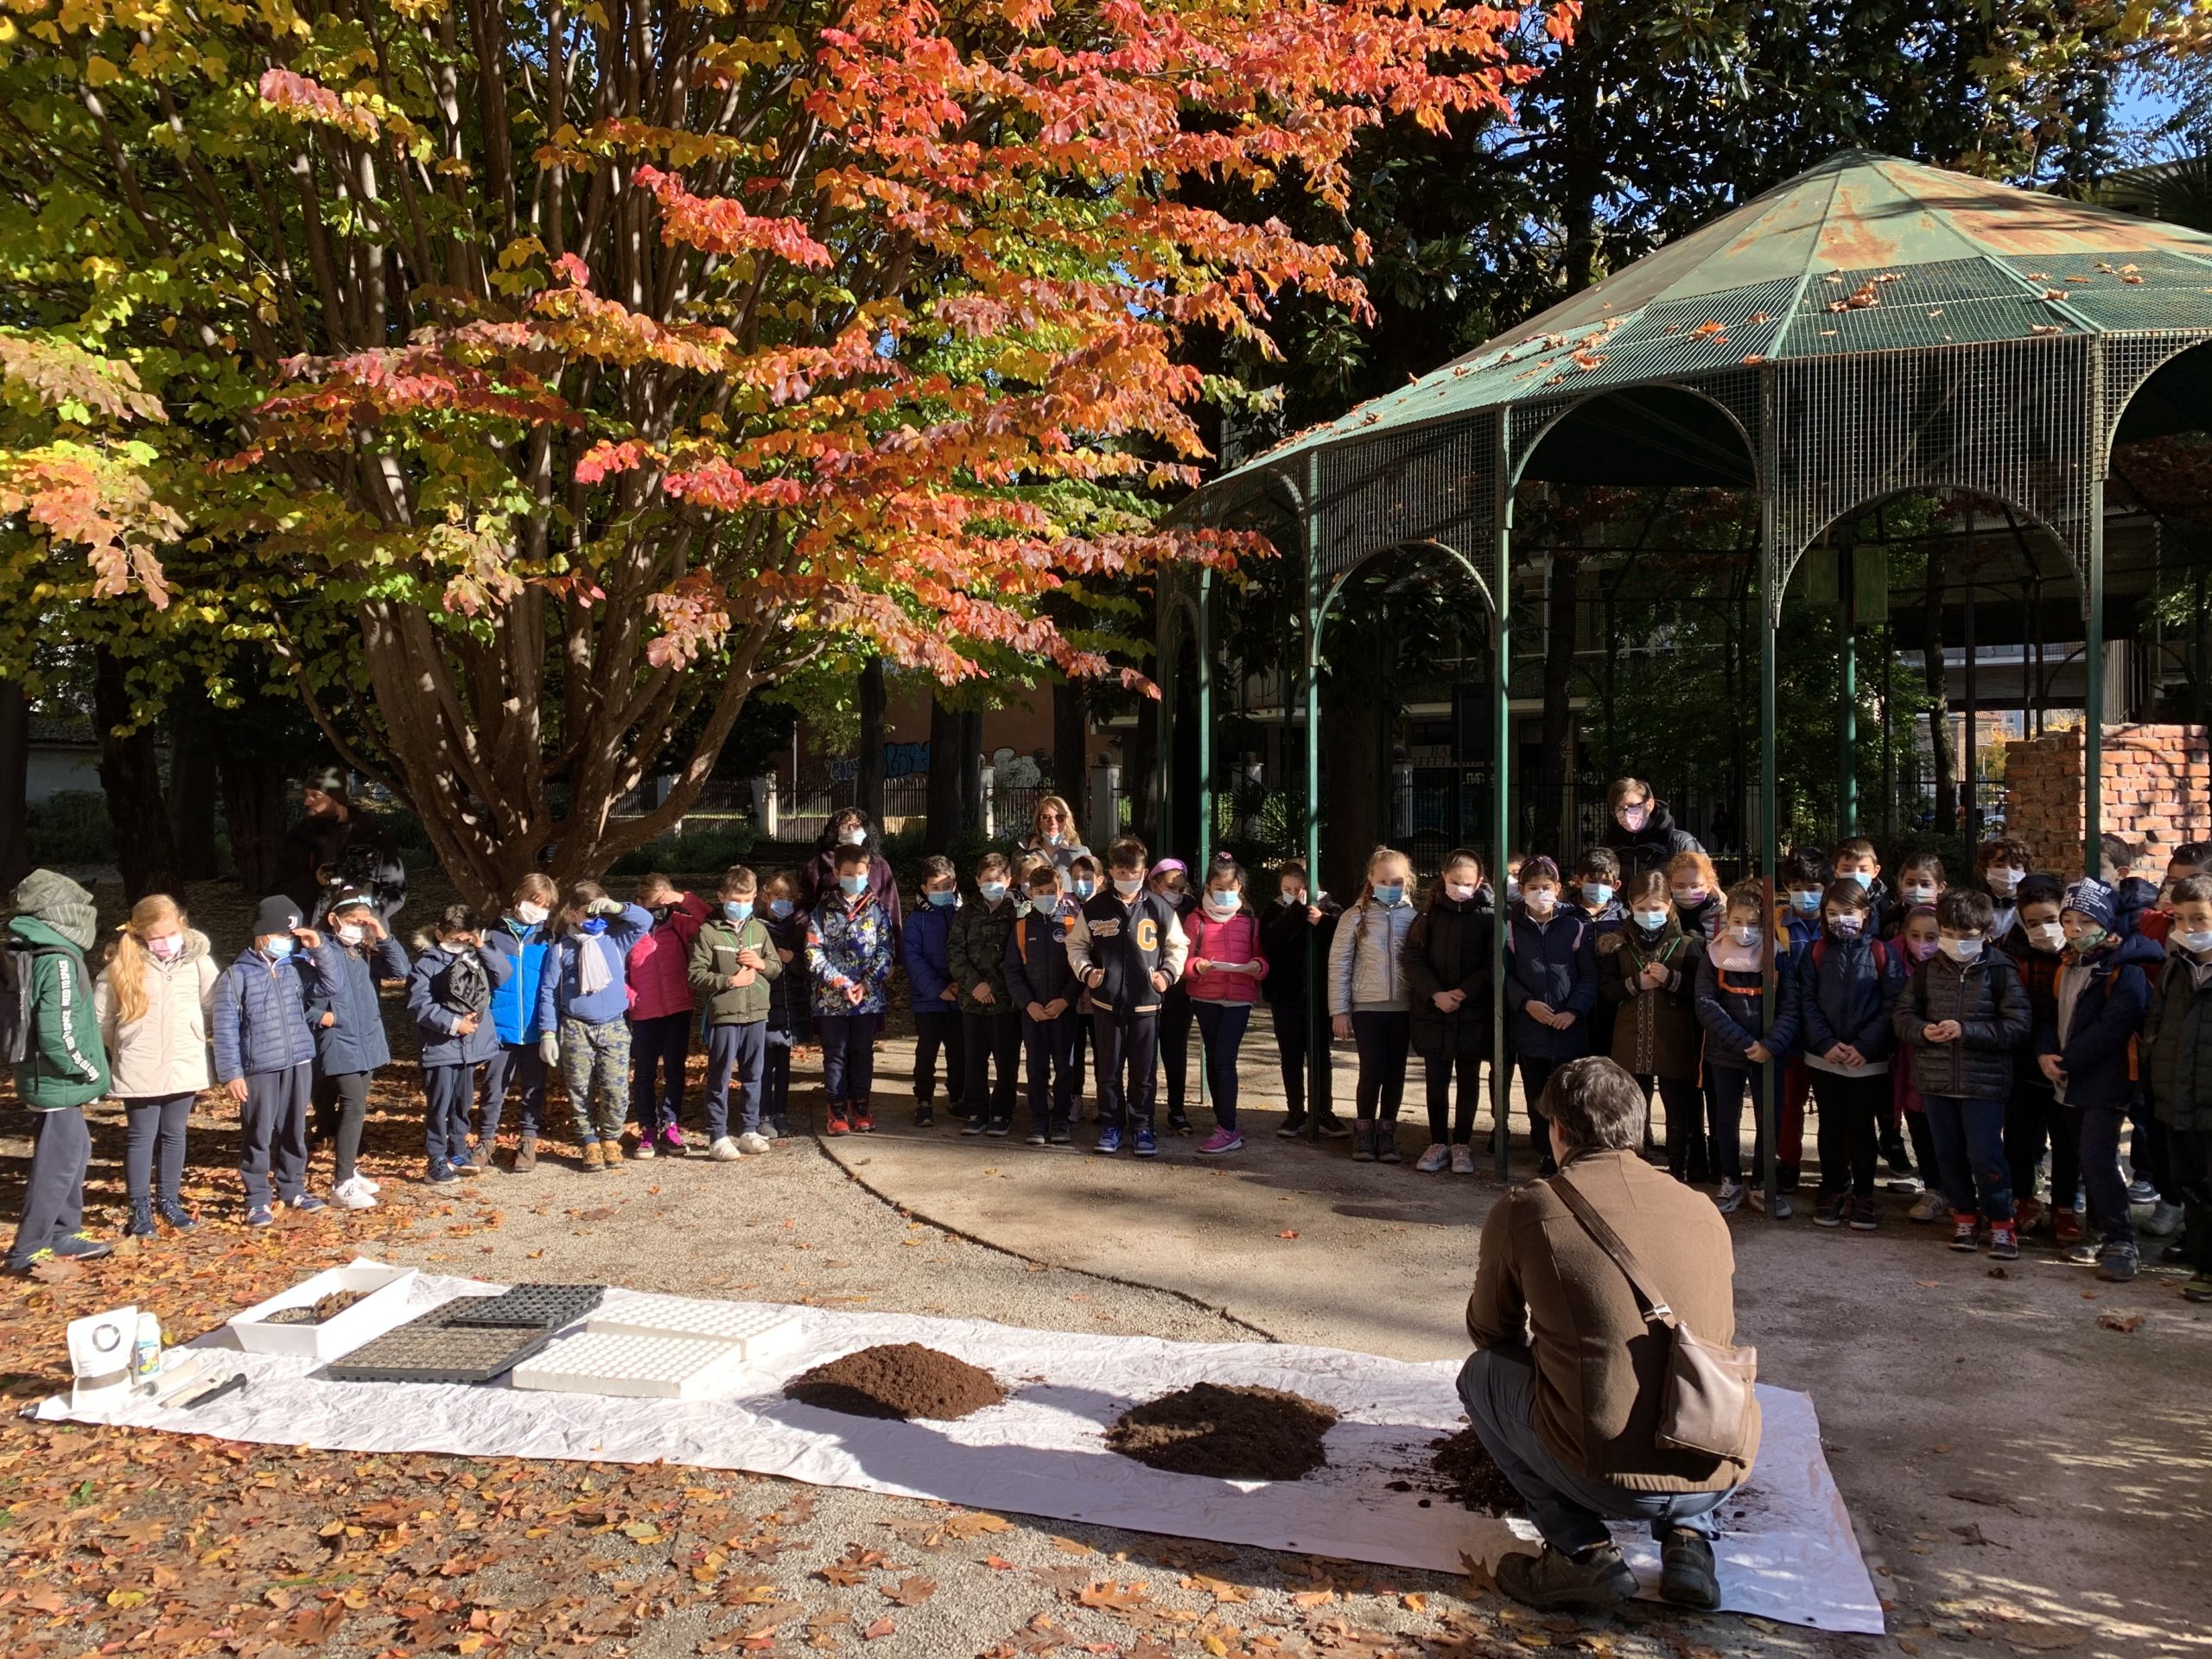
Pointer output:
x,y
1568,1384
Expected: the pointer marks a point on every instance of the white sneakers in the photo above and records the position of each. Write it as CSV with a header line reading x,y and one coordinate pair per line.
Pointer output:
x,y
1463,1159
1933,1205
724,1150
753,1143
1730,1198
359,1193
1435,1159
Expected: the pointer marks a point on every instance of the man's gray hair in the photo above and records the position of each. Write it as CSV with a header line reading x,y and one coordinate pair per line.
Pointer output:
x,y
1597,1106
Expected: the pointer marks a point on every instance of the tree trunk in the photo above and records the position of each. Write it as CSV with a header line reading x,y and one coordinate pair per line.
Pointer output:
x,y
867,784
1071,751
130,774
14,784
972,772
1552,830
257,752
944,800
1939,706
1140,763
193,790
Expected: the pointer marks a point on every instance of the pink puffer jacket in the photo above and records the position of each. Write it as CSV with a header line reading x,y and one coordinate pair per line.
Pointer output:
x,y
659,966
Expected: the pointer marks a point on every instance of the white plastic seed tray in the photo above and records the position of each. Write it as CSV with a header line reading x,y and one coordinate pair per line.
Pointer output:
x,y
634,1367
763,1332
386,1308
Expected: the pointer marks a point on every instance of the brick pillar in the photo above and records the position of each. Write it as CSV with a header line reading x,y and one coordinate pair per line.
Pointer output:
x,y
2158,791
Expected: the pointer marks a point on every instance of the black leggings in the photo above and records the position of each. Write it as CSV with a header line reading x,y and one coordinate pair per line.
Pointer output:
x,y
155,1121
1850,1140
1685,1104
341,1101
1534,1074
1383,1039
1461,1129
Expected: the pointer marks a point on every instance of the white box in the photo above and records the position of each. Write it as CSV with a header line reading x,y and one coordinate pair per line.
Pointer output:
x,y
386,1307
763,1332
634,1367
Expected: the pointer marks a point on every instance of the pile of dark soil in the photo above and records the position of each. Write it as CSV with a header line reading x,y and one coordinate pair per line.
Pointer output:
x,y
1229,1433
327,1308
900,1380
1466,1474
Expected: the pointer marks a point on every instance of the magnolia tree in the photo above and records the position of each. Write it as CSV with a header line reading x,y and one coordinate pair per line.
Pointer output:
x,y
541,380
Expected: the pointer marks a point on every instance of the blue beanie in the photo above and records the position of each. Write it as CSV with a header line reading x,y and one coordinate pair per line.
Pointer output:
x,y
2093,900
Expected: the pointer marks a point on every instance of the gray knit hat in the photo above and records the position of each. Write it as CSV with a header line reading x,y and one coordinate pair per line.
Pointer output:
x,y
60,903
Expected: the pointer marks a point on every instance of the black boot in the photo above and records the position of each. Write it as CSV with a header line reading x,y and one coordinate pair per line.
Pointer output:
x,y
174,1213
141,1224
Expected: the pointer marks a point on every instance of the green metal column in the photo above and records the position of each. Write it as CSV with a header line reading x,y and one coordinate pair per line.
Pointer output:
x,y
1846,725
1500,825
1205,768
1318,1036
1770,584
2093,698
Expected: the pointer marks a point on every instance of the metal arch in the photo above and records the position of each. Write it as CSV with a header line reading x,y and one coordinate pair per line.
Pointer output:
x,y
2029,517
2140,358
1338,584
1524,446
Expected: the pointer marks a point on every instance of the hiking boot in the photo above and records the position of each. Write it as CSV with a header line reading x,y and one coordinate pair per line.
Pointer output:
x,y
2118,1264
1293,1127
1730,1198
1463,1159
1862,1216
752,1143
179,1218
481,1159
1931,1205
525,1155
863,1117
1329,1126
1110,1139
594,1156
1831,1210
1966,1234
1386,1144
1363,1143
1593,1580
141,1224
610,1153
841,1121
1436,1156
722,1150
2004,1242
83,1247
1687,1578
1219,1141
2066,1225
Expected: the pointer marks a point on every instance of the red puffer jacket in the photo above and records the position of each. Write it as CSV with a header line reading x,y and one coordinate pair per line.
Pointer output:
x,y
659,965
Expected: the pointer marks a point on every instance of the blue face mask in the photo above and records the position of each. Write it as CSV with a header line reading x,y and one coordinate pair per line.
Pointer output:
x,y
1597,894
945,900
992,891
279,947
1804,902
1864,878
780,909
1084,886
593,924
738,910
852,886
1390,893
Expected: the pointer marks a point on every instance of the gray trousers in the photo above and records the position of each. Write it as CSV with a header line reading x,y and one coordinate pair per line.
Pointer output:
x,y
157,1123
53,1198
273,1133
1498,1387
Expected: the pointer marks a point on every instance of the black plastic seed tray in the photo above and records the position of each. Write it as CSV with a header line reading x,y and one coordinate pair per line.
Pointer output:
x,y
549,1304
429,1349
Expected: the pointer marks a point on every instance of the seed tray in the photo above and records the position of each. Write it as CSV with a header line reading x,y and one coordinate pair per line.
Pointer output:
x,y
762,1331
524,1305
429,1350
654,1367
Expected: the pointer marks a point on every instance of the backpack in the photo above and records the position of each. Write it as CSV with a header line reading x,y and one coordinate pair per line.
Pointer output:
x,y
18,979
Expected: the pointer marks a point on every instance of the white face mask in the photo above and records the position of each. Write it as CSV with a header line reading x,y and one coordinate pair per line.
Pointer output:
x,y
852,836
1540,901
1959,950
1460,890
2195,943
530,915
2003,878
1128,885
2047,935
352,933
1919,895
1744,935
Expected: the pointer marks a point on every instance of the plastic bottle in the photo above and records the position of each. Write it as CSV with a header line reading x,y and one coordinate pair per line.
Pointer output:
x,y
146,1352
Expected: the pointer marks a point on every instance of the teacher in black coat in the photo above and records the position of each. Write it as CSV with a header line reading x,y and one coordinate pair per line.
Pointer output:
x,y
1639,830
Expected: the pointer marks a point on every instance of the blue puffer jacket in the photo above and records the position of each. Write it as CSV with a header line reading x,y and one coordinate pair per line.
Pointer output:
x,y
257,1024
1846,988
514,1000
789,991
2098,1048
1554,962
1730,1006
558,996
434,1020
355,1041
924,949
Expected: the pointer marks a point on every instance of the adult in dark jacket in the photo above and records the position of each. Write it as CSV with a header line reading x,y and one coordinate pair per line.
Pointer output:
x,y
350,1042
1551,985
1298,915
817,877
2178,1069
1647,973
1963,1012
1446,960
1639,830
2090,1055
337,845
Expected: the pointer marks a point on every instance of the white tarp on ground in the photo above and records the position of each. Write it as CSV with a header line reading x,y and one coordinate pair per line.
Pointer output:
x,y
1787,1552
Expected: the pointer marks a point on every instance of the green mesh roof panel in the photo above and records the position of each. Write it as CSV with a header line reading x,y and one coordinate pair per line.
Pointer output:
x,y
1951,261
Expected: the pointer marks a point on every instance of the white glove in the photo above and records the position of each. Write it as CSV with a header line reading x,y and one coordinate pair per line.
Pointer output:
x,y
549,1048
606,907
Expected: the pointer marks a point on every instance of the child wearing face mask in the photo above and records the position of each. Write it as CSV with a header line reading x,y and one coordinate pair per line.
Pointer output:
x,y
519,935
1805,877
1447,968
1227,964
1127,945
990,1023
925,948
1920,884
851,943
449,994
152,1000
1078,887
733,967
1855,860
1171,880
583,997
2189,859
1845,984
2002,864
1695,889
1041,982
265,1055
1369,1001
1551,985
662,1013
1648,972
1963,1013
2178,1069
1919,937
788,998
2090,1055
1298,919
1595,895
2033,1117
1739,1050
349,1038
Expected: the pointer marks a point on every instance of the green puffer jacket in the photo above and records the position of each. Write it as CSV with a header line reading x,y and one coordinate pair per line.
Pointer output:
x,y
714,959
67,1063
976,952
2177,1047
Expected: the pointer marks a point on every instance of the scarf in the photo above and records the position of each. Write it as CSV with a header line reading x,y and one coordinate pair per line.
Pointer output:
x,y
595,964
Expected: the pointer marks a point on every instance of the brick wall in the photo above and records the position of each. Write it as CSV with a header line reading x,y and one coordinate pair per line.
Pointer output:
x,y
2157,790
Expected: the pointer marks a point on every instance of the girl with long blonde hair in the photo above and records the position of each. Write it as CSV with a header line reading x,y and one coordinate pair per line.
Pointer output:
x,y
153,999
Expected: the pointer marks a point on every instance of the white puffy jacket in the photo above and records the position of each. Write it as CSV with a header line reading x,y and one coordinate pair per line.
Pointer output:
x,y
165,1051
1365,976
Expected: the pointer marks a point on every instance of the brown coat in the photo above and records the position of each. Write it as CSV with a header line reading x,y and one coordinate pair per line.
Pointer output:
x,y
1655,1034
1544,1283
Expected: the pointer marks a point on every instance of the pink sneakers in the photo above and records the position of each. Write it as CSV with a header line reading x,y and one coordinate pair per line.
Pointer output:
x,y
1219,1141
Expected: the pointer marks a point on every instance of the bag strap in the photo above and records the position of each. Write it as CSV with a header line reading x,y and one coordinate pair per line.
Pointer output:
x,y
1614,1246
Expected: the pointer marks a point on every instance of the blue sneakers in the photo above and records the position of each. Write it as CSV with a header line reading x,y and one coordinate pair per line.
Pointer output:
x,y
440,1174
306,1204
1110,1139
260,1216
1146,1146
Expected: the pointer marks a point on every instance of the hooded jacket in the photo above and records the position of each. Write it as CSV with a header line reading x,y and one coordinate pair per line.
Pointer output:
x,y
1553,962
817,877
164,1050
2132,899
714,963
1448,949
1037,965
1846,988
355,1041
64,1063
2177,1047
1650,848
559,994
436,1019
925,949
2098,1047
514,999
1365,975
1731,1006
258,1019
1991,1005
660,962
1655,1032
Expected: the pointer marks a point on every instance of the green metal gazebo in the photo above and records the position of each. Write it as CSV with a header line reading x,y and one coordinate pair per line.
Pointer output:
x,y
1871,326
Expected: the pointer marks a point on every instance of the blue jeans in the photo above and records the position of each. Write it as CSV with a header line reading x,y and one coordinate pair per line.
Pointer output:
x,y
848,1056
1221,1029
737,1052
1498,1387
1970,1151
448,1093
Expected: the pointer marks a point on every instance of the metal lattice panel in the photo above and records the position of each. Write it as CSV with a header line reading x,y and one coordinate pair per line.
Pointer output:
x,y
2126,364
1435,483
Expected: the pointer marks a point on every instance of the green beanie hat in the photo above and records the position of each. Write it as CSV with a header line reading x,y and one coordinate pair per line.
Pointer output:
x,y
60,903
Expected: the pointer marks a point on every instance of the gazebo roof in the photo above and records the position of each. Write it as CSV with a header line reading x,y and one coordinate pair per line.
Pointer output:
x,y
1864,253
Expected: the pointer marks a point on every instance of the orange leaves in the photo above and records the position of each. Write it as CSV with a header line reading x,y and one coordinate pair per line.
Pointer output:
x,y
691,616
718,225
307,100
